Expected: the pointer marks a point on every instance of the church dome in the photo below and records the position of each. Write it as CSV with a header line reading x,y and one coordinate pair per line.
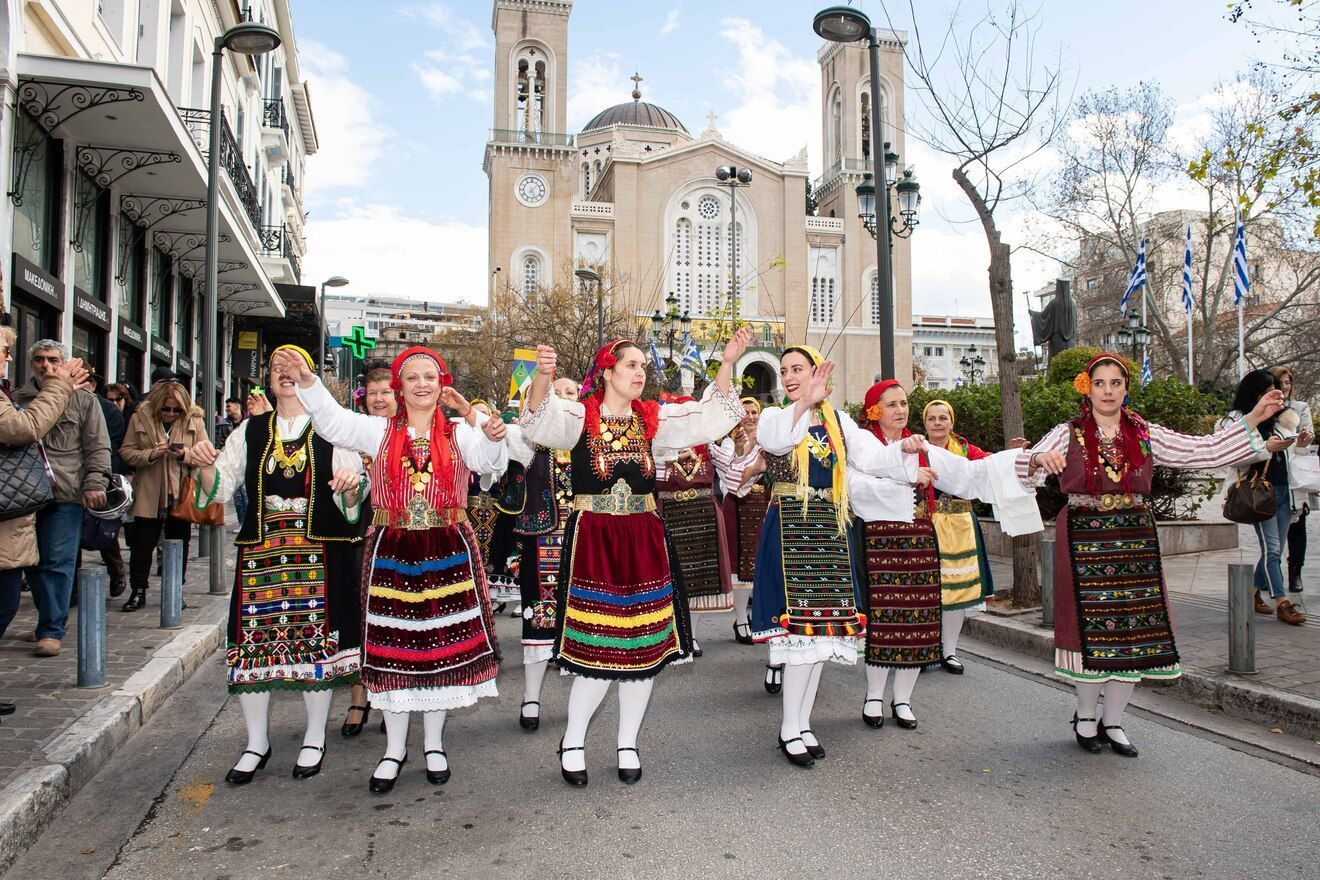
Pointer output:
x,y
635,113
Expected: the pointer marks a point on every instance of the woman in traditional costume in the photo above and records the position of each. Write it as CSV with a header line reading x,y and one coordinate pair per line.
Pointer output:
x,y
622,615
965,579
429,641
806,596
743,502
295,620
493,506
1112,626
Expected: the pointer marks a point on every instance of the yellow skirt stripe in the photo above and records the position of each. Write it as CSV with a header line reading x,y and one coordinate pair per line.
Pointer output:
x,y
424,595
630,622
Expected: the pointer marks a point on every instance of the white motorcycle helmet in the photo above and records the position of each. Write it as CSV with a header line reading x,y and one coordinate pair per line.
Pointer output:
x,y
118,498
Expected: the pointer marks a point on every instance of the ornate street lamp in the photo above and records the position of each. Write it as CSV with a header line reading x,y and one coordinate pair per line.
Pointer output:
x,y
733,177
587,275
671,326
332,281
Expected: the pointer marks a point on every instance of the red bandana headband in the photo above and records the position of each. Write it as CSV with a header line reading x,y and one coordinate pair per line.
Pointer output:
x,y
396,367
1082,382
871,403
604,360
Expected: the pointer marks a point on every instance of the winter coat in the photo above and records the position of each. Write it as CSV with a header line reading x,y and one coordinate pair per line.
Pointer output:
x,y
78,447
18,536
156,483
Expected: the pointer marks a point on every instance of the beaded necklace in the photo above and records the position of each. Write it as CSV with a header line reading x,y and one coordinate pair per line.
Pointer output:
x,y
418,478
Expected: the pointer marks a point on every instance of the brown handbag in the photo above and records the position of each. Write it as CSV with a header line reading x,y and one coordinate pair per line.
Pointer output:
x,y
1251,499
187,509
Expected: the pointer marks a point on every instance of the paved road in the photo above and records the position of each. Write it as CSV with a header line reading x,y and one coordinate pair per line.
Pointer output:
x,y
989,786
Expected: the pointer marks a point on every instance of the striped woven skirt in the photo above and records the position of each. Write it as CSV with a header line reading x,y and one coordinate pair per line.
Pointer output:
x,y
621,611
697,531
964,570
751,513
903,588
294,615
538,576
429,640
496,542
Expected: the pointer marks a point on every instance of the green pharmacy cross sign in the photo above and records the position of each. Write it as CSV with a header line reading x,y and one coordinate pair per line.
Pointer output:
x,y
358,343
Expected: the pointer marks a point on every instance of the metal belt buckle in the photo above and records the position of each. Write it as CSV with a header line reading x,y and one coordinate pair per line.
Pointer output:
x,y
619,496
685,494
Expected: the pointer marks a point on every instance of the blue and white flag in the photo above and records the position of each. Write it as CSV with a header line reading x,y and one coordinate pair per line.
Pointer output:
x,y
657,361
1146,374
1187,273
692,359
1241,283
1136,280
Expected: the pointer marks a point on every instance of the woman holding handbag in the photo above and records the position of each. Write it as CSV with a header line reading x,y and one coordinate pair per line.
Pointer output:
x,y
162,430
1278,433
1304,475
20,429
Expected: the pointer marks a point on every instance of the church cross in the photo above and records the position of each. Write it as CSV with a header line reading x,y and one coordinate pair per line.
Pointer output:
x,y
711,117
637,85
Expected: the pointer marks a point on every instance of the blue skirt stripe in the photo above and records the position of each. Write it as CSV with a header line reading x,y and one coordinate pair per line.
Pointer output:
x,y
594,596
431,565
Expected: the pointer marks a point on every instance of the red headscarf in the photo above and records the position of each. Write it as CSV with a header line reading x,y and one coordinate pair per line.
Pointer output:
x,y
1134,433
871,412
441,429
593,392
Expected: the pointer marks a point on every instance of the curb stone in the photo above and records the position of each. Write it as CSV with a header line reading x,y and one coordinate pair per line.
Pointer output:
x,y
29,803
1229,694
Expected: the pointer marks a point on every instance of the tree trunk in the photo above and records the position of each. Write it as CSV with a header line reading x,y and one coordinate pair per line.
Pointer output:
x,y
1026,548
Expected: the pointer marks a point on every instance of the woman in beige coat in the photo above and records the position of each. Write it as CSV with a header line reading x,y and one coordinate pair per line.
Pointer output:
x,y
18,536
165,426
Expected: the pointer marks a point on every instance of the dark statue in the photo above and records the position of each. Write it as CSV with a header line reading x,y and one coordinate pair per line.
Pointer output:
x,y
1056,324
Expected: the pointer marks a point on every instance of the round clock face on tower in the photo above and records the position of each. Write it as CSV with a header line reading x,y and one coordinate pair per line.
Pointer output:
x,y
531,190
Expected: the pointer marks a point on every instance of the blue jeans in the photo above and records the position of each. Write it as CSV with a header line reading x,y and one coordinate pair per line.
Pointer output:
x,y
240,504
59,533
10,582
1272,534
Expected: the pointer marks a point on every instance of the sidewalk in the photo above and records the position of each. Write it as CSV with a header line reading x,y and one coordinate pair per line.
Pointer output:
x,y
61,734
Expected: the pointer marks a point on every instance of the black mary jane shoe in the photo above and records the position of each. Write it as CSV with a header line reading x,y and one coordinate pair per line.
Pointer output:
x,y
437,777
774,682
350,729
817,751
742,636
303,771
1090,744
899,719
381,785
243,777
529,722
7,708
874,720
696,649
137,600
952,664
629,775
577,778
802,760
1127,750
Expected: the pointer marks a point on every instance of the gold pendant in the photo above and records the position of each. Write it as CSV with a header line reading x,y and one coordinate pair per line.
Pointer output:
x,y
288,473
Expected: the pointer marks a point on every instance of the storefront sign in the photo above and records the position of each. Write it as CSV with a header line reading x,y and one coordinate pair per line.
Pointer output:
x,y
246,356
132,334
36,281
185,364
161,350
91,308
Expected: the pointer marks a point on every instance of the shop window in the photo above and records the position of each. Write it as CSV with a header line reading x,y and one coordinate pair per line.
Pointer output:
x,y
162,296
91,245
38,167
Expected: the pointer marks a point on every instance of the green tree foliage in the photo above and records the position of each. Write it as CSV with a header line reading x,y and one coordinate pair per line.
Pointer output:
x,y
1065,365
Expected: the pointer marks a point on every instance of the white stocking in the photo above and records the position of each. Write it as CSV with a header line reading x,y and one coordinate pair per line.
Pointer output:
x,y
797,678
1117,694
876,678
634,697
1088,694
533,678
583,699
256,711
950,627
740,596
317,704
433,731
904,681
396,743
809,703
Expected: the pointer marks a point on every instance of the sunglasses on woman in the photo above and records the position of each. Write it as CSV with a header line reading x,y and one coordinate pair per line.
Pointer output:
x,y
170,409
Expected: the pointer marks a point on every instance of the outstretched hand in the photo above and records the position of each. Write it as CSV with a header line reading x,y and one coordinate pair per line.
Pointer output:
x,y
453,399
1270,404
293,365
915,443
1052,462
818,384
546,360
494,429
737,344
344,480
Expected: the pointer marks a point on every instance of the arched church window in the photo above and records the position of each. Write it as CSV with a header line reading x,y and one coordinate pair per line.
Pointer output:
x,y
875,299
531,91
735,244
708,207
866,124
531,275
586,180
702,246
823,287
683,263
707,268
836,126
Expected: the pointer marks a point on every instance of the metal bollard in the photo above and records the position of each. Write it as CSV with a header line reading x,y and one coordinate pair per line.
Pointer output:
x,y
218,584
202,546
1241,619
91,627
1047,583
171,586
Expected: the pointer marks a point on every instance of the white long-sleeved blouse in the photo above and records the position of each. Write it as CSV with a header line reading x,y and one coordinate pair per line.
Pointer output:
x,y
729,465
231,466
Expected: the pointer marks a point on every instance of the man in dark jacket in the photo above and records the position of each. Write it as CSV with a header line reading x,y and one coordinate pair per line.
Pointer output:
x,y
115,425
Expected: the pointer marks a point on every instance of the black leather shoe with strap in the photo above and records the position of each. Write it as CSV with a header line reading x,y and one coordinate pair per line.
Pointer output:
x,y
243,777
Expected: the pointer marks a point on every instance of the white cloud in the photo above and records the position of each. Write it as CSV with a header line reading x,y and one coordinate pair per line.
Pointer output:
x,y
456,68
598,81
385,252
671,22
438,83
461,33
780,92
351,140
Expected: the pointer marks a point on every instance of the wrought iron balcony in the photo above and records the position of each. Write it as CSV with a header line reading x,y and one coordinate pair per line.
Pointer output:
x,y
272,240
198,123
292,256
537,138
290,179
273,115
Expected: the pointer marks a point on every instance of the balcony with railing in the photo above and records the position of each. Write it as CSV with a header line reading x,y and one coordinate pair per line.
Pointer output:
x,y
530,138
198,123
847,164
271,239
292,256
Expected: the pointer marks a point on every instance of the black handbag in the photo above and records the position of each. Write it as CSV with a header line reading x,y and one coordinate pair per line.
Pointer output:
x,y
1251,499
26,483
100,534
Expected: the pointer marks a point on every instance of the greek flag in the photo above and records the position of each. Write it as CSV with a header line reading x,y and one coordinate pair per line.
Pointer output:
x,y
657,361
1146,374
1136,280
1187,273
692,359
1241,284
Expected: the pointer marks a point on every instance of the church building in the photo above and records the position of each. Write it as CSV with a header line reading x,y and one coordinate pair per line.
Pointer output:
x,y
635,196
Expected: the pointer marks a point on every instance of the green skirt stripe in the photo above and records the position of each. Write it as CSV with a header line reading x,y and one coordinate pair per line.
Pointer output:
x,y
616,642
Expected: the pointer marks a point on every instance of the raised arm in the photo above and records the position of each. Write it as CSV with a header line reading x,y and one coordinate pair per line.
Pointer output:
x,y
340,426
779,430
1234,443
481,454
683,425
555,423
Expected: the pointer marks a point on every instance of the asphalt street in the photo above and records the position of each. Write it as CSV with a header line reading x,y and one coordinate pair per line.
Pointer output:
x,y
990,785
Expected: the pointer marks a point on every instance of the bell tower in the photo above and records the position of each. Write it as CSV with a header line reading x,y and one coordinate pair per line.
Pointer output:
x,y
529,156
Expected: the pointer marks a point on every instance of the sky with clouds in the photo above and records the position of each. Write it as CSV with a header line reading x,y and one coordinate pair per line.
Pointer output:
x,y
397,200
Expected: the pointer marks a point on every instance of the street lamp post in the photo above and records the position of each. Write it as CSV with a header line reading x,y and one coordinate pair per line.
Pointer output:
x,y
973,365
672,324
843,24
1135,334
585,274
249,38
332,281
733,177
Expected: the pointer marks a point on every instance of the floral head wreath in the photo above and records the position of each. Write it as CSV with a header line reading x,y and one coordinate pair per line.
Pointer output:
x,y
417,351
1082,381
604,360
